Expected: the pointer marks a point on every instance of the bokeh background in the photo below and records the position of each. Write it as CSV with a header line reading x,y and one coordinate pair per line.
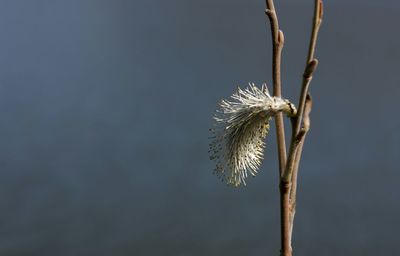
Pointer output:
x,y
105,108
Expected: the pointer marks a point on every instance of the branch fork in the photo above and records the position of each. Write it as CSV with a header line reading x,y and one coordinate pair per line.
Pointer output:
x,y
242,124
289,164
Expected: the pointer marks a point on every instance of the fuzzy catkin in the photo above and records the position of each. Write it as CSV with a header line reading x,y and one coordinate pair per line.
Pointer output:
x,y
239,132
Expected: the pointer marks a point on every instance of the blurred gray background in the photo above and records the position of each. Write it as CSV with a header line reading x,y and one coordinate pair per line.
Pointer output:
x,y
105,108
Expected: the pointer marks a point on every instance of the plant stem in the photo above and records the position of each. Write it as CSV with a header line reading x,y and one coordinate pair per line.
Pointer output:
x,y
277,45
286,247
304,109
288,165
293,191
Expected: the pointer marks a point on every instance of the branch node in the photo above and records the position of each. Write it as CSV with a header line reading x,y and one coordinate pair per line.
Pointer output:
x,y
306,119
307,110
310,68
285,186
270,13
321,10
281,37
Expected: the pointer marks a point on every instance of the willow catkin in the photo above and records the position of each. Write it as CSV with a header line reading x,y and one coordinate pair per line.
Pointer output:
x,y
239,132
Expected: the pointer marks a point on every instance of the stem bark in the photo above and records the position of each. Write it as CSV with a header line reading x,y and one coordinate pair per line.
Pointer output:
x,y
289,164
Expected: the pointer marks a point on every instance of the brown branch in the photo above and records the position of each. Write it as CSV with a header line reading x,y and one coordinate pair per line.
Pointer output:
x,y
286,247
289,175
304,131
311,65
317,20
305,104
277,45
293,191
288,168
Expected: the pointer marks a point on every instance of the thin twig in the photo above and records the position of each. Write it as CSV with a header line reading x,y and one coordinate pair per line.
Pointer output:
x,y
277,45
317,20
306,127
305,105
286,247
293,191
311,65
298,134
288,167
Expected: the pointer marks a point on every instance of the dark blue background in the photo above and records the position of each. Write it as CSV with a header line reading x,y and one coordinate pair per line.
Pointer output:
x,y
105,108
